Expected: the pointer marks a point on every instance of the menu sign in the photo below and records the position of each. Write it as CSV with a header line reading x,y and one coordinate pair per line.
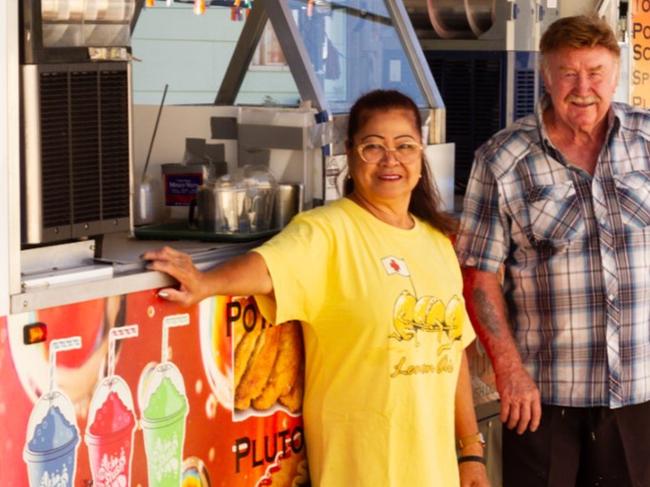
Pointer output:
x,y
640,11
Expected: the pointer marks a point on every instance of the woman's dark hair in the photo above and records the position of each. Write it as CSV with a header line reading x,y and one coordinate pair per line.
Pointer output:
x,y
425,199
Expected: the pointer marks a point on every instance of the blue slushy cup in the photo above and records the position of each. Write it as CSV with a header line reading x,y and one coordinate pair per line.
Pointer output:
x,y
51,452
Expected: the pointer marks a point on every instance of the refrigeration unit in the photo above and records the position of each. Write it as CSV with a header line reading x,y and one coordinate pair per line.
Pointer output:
x,y
75,118
483,55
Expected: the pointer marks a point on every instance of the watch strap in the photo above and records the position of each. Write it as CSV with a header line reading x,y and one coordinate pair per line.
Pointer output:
x,y
470,440
471,458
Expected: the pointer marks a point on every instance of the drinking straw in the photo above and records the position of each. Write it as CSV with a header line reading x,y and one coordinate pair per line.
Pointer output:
x,y
60,345
170,322
115,334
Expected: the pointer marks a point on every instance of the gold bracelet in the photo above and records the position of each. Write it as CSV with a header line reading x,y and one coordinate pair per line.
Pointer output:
x,y
470,440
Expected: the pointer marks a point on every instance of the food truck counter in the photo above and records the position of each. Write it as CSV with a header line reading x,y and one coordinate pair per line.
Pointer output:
x,y
74,274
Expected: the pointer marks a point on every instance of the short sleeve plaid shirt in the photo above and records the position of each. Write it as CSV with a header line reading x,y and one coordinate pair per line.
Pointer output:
x,y
576,251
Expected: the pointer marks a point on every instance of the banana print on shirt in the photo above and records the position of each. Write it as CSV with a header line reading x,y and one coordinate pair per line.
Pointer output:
x,y
412,314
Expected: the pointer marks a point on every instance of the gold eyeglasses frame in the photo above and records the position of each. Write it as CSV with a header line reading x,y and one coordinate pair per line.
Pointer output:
x,y
361,147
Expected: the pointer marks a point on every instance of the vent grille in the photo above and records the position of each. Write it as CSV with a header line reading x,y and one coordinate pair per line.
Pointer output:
x,y
524,93
84,123
55,149
470,88
115,144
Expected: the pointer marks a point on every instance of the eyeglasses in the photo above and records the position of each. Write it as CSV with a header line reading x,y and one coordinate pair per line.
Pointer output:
x,y
405,152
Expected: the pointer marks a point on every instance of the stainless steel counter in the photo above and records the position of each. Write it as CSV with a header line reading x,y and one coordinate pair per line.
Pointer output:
x,y
119,270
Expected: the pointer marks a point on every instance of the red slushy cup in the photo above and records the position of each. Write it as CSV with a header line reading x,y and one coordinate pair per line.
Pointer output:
x,y
109,439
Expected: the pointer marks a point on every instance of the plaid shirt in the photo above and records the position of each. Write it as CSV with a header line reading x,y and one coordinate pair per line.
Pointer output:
x,y
576,250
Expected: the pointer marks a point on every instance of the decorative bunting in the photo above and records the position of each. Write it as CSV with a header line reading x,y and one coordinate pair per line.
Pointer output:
x,y
199,7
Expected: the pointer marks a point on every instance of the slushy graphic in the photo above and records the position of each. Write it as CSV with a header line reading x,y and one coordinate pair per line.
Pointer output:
x,y
109,441
163,425
50,453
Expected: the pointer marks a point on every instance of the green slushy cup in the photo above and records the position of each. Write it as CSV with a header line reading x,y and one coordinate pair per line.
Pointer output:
x,y
163,426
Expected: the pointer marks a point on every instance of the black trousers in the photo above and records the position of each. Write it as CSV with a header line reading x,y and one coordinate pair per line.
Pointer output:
x,y
581,447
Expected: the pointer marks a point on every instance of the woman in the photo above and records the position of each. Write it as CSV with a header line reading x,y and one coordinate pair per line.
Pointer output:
x,y
375,283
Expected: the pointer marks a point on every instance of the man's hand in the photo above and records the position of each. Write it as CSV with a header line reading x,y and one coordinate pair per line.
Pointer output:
x,y
520,400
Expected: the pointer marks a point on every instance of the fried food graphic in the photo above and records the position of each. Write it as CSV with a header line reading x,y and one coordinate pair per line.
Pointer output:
x,y
286,368
245,347
293,400
268,361
259,367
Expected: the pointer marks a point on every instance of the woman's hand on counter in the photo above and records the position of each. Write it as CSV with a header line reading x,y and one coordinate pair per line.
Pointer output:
x,y
245,275
178,265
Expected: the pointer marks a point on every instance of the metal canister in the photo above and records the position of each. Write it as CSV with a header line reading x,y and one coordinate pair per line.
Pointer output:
x,y
288,202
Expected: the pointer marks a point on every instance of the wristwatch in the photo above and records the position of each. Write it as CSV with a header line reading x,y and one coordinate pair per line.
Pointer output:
x,y
470,440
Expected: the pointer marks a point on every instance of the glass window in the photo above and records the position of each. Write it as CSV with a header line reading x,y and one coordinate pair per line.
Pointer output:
x,y
191,53
354,48
268,80
268,52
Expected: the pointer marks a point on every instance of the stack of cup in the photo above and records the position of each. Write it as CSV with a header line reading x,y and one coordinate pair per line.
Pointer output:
x,y
288,202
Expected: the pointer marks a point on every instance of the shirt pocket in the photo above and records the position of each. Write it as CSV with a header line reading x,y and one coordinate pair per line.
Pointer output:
x,y
633,190
554,213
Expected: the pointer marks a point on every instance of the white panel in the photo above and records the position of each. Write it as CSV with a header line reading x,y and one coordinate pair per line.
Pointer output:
x,y
8,147
4,201
440,158
577,7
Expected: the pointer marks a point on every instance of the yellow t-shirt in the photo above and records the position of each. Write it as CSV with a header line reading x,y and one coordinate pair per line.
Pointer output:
x,y
384,325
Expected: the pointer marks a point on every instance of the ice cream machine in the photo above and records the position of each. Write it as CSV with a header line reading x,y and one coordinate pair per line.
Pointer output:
x,y
75,137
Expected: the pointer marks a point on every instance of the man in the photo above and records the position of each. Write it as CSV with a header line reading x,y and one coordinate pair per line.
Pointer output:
x,y
558,204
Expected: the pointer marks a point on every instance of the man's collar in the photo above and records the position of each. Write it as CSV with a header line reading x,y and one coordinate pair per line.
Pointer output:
x,y
543,103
